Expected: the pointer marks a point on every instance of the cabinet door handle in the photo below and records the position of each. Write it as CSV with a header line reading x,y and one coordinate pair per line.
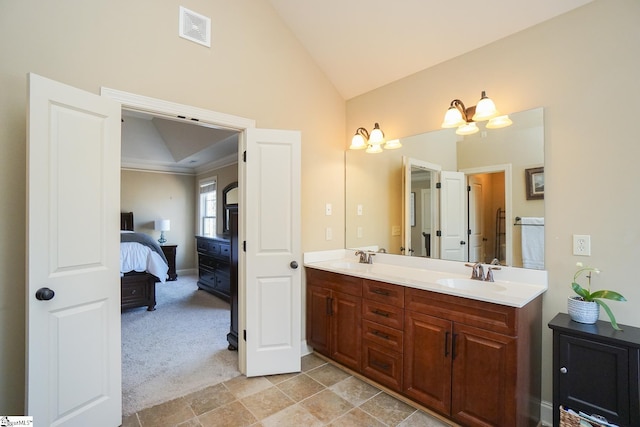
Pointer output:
x,y
446,344
563,370
380,292
380,313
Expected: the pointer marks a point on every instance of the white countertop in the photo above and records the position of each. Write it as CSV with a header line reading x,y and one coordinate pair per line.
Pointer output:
x,y
514,287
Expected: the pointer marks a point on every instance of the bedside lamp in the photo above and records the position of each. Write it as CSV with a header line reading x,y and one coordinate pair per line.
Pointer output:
x,y
162,225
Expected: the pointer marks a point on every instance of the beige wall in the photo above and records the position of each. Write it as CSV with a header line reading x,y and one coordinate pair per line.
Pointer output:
x,y
583,69
151,196
255,69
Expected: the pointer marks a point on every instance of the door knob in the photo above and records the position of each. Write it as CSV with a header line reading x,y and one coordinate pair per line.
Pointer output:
x,y
293,265
563,370
44,294
462,242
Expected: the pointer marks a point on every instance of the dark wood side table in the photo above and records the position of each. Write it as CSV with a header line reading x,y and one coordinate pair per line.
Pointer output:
x,y
596,369
170,253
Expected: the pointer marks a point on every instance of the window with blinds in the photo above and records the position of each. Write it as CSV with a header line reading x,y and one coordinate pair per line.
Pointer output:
x,y
208,208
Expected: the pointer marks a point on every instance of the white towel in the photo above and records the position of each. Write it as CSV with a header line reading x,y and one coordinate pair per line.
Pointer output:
x,y
532,242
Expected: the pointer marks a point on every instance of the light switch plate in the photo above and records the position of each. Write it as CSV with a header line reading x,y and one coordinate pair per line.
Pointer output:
x,y
328,209
582,244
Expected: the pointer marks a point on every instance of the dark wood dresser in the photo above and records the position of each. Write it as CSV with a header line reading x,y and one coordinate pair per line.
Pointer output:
x,y
169,252
218,273
214,265
596,370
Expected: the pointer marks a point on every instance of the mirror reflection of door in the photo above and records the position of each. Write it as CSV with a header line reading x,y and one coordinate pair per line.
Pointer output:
x,y
422,215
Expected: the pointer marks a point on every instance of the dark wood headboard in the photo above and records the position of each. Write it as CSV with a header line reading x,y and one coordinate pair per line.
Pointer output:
x,y
126,221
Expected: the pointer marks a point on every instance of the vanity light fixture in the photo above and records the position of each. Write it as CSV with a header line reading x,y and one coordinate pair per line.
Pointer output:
x,y
372,142
457,116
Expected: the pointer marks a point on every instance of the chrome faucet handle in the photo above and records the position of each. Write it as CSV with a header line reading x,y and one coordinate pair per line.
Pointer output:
x,y
475,275
490,273
370,259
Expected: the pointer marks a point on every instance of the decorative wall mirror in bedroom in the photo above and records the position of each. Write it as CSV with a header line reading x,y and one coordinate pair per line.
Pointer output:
x,y
229,203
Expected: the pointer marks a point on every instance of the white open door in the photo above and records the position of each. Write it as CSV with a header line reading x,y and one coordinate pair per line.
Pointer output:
x,y
453,222
273,264
73,292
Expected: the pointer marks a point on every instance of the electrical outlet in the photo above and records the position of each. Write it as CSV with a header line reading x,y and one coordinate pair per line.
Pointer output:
x,y
359,232
582,244
395,230
328,234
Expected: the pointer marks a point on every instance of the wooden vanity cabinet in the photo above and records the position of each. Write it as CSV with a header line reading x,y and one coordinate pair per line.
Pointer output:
x,y
334,312
475,362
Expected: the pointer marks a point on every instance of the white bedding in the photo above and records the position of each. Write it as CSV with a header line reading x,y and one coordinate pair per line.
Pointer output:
x,y
140,258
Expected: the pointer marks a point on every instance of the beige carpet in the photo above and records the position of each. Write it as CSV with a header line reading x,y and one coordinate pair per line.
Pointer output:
x,y
179,348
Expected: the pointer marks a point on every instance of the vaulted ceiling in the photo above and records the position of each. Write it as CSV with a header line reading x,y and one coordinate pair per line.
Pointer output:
x,y
390,39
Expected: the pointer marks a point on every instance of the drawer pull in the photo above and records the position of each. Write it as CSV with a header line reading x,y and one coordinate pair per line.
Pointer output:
x,y
133,291
381,292
380,365
380,334
380,313
563,370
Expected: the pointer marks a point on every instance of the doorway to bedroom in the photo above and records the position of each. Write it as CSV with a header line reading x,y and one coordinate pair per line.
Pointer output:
x,y
181,347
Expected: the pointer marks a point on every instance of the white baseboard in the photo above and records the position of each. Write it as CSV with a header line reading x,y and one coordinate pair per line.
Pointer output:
x,y
546,414
187,272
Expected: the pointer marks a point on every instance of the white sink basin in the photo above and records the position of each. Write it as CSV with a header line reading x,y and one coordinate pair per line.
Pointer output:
x,y
470,284
345,265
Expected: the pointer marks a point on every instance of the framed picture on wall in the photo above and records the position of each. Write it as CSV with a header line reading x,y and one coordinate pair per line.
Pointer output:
x,y
535,183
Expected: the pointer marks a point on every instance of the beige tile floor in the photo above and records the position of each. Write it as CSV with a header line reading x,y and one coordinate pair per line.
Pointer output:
x,y
320,395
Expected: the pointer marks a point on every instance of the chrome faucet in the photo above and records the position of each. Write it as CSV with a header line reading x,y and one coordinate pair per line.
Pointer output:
x,y
489,277
495,261
477,271
365,258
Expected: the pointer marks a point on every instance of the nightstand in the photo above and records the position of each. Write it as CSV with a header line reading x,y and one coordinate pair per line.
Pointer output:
x,y
170,253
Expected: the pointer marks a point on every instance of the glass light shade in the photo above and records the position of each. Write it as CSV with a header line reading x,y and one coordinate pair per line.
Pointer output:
x,y
452,118
374,149
499,122
358,142
467,129
163,225
376,137
485,109
392,144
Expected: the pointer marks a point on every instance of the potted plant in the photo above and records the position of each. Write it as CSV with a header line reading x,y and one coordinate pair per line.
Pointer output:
x,y
585,308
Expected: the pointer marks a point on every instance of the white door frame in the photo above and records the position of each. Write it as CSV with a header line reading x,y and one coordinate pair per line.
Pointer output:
x,y
508,199
198,116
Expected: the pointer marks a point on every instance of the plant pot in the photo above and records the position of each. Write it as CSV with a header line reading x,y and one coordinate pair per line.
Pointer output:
x,y
583,311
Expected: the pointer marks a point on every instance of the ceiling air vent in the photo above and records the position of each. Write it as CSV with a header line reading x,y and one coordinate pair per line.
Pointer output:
x,y
195,27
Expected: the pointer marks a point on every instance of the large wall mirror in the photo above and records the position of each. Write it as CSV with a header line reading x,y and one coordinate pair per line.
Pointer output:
x,y
453,197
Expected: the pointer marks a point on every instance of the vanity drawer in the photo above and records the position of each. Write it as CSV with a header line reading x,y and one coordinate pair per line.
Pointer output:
x,y
383,313
383,335
336,282
383,292
382,365
485,315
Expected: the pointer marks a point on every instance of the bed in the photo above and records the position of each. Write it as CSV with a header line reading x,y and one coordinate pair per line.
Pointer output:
x,y
142,265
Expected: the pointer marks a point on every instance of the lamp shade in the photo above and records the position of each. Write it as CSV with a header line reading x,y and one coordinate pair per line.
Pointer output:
x,y
376,137
358,142
467,129
163,224
485,109
453,118
499,122
392,144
